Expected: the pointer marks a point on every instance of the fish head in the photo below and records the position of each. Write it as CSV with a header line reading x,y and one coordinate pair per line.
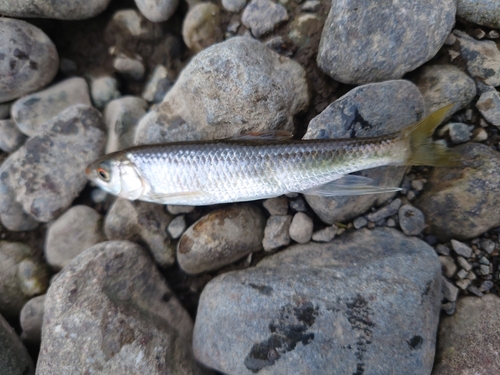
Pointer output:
x,y
117,177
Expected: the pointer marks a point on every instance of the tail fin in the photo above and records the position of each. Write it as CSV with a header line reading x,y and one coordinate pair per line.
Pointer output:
x,y
424,151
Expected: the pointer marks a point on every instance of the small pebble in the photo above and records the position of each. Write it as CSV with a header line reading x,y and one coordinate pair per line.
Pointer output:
x,y
487,245
411,195
276,206
98,195
262,16
417,185
386,211
176,227
132,68
464,264
471,276
459,132
153,85
325,235
298,205
461,248
31,320
450,40
489,106
493,34
411,220
484,260
486,286
311,6
277,232
484,270
103,89
479,135
179,209
448,266
301,228
10,136
442,249
450,291
474,290
234,5
462,274
391,223
448,308
360,222
468,114
478,33
463,284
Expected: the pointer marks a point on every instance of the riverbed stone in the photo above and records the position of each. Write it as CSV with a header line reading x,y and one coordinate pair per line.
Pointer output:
x,y
489,106
234,86
333,307
262,16
157,10
45,175
29,60
301,228
411,220
109,311
31,319
484,12
14,358
202,26
10,136
129,24
59,9
387,50
220,238
142,222
366,111
103,89
234,5
32,111
461,202
277,232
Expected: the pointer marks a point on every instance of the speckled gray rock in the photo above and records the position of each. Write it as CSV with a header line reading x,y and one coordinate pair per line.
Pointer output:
x,y
262,16
31,320
103,89
481,12
445,84
411,220
157,10
32,111
110,312
386,50
277,232
14,358
233,5
59,9
21,277
481,57
462,202
10,136
367,111
202,26
142,222
121,117
489,106
277,205
234,86
334,308
459,132
66,144
467,340
301,228
70,234
29,58
220,238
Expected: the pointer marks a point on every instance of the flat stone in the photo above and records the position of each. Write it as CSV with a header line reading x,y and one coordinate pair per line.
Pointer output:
x,y
484,12
325,235
489,106
31,320
464,264
277,232
316,306
131,68
179,209
202,26
386,211
262,16
462,274
276,206
157,10
10,136
461,249
301,228
484,270
411,220
14,358
450,291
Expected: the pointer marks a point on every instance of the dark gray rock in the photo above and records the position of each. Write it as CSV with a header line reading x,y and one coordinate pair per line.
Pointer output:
x,y
31,320
367,111
14,358
220,238
483,12
10,136
157,10
362,44
411,220
45,175
110,312
202,26
334,308
29,61
489,106
59,9
277,232
360,222
462,202
142,222
466,343
262,16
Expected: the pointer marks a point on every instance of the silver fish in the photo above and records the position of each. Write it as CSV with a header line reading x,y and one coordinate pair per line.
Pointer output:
x,y
242,169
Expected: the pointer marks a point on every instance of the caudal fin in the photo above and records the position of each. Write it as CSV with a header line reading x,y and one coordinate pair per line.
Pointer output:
x,y
424,151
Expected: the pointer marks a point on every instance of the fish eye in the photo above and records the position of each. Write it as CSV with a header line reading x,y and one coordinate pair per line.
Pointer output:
x,y
103,174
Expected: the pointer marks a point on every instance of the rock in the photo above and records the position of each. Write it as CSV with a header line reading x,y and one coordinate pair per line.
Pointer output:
x,y
131,68
411,220
479,135
462,274
317,306
179,209
220,238
103,89
443,84
31,320
298,205
5,110
157,85
325,235
461,249
21,277
482,58
277,232
29,61
176,227
129,24
110,312
234,5
367,111
142,222
442,249
10,136
121,117
32,111
386,50
459,132
486,286
386,211
484,13
466,343
463,284
360,222
157,10
70,234
14,358
489,106
202,26
448,265
262,16
484,270
463,263
276,206
461,202
28,178
235,86
488,245
301,228
61,10
450,291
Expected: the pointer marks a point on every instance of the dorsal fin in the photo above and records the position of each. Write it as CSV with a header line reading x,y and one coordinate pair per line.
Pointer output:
x,y
272,135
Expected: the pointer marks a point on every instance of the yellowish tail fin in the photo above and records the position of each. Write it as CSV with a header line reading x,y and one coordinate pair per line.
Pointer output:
x,y
424,151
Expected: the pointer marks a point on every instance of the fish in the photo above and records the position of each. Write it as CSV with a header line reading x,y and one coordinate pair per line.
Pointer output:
x,y
252,166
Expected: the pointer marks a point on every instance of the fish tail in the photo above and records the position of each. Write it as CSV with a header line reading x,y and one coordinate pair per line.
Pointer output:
x,y
423,150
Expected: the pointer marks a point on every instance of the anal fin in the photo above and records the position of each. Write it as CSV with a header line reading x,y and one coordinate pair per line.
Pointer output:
x,y
349,185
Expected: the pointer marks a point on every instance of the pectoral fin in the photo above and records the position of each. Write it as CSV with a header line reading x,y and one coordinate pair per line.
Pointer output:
x,y
349,185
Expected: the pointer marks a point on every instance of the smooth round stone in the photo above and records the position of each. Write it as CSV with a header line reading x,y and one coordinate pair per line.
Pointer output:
x,y
131,68
109,311
364,43
32,111
220,238
10,136
157,10
70,234
301,228
234,5
456,203
103,89
202,26
29,59
57,9
480,12
262,16
31,320
411,220
14,358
